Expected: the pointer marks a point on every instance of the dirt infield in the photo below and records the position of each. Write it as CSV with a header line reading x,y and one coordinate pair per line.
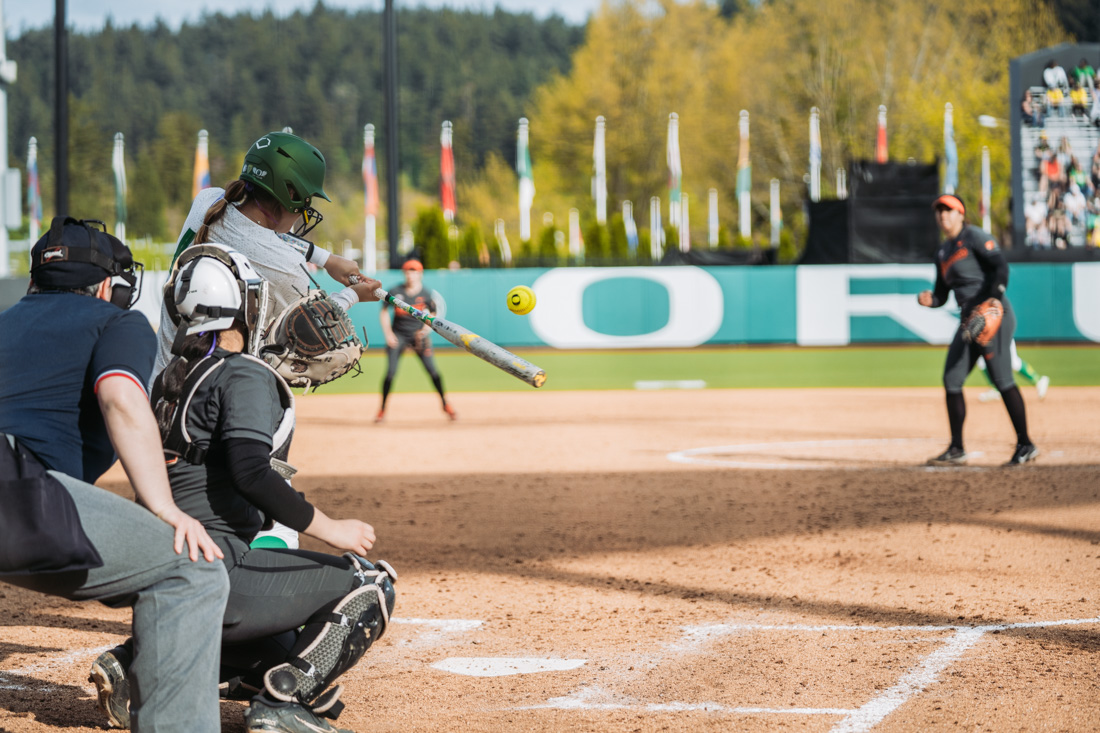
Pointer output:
x,y
695,560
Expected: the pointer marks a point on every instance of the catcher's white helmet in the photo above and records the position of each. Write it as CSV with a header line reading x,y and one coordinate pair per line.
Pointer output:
x,y
212,287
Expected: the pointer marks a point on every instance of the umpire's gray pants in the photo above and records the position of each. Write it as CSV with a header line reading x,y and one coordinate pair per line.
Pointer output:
x,y
178,607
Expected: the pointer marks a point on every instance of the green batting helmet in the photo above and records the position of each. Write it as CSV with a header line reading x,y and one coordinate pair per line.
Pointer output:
x,y
287,167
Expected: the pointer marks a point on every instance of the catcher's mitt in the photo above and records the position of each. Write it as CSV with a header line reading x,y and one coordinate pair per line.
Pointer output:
x,y
312,342
982,323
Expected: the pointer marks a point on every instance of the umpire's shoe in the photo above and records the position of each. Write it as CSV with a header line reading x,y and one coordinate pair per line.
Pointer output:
x,y
112,686
270,716
951,457
1025,453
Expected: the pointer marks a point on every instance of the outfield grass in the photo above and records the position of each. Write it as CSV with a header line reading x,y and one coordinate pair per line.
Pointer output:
x,y
735,367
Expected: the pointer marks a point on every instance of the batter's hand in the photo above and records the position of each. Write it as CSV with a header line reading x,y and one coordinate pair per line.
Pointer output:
x,y
342,269
189,530
924,297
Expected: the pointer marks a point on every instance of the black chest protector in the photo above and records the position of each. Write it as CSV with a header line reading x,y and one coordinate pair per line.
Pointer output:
x,y
178,443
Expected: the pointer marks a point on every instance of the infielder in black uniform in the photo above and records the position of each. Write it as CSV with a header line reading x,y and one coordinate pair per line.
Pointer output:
x,y
406,332
970,263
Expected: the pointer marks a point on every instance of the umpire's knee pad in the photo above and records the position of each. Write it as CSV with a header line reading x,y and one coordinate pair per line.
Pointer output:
x,y
337,636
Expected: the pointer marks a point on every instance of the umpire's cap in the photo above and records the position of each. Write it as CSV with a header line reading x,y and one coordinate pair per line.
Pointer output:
x,y
951,201
75,254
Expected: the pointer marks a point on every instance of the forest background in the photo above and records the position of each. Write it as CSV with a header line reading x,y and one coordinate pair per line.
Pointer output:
x,y
634,62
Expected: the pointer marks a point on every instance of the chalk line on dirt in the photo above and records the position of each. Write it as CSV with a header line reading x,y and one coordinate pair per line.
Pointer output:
x,y
707,455
505,666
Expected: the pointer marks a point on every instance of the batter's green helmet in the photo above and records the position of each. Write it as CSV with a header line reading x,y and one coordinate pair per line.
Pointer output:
x,y
287,167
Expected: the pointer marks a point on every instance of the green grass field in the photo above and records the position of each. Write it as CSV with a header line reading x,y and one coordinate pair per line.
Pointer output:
x,y
734,367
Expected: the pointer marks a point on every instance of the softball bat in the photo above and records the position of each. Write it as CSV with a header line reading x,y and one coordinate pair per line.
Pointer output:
x,y
476,345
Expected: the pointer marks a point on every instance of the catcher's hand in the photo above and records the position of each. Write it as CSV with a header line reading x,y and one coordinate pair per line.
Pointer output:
x,y
312,342
982,323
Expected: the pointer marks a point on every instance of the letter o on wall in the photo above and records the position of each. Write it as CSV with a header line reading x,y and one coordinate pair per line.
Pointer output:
x,y
695,308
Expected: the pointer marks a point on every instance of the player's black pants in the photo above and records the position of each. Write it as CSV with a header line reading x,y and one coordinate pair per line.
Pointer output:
x,y
423,351
271,593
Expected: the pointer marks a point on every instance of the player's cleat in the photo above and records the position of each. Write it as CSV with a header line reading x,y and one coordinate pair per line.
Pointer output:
x,y
989,395
112,687
269,716
1024,454
951,457
450,412
1042,386
380,416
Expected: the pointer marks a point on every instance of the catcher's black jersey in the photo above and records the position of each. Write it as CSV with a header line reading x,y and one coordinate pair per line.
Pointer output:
x,y
973,266
403,323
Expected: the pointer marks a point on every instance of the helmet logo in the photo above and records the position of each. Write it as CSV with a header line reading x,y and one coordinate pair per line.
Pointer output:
x,y
262,143
254,171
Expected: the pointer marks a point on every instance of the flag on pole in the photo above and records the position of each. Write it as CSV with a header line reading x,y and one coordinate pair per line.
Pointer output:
x,y
370,201
576,239
880,140
118,164
34,194
987,191
599,180
526,181
951,152
201,177
685,222
815,155
631,228
675,170
712,218
744,177
502,242
447,172
656,231
776,212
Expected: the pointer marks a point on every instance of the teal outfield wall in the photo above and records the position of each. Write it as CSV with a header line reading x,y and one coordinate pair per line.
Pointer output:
x,y
668,307
681,307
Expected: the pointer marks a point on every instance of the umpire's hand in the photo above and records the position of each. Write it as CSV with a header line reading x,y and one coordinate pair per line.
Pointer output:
x,y
189,530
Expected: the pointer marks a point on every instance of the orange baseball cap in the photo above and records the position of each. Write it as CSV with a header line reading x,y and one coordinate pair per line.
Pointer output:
x,y
412,265
951,201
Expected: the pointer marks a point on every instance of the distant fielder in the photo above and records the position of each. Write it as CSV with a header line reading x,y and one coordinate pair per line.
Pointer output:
x,y
406,332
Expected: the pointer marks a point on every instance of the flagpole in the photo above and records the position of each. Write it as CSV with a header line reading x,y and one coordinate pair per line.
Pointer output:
x,y
370,201
841,184
656,232
744,178
776,213
34,194
685,222
951,153
7,77
526,182
712,217
987,185
631,230
502,242
599,181
576,249
815,154
118,163
675,170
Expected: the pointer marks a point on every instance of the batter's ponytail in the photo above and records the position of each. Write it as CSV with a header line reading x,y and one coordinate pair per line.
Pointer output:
x,y
235,193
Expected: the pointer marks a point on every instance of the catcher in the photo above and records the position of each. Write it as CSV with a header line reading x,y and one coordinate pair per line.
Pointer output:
x,y
970,263
295,620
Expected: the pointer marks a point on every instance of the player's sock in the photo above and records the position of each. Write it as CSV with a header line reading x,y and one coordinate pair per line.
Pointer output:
x,y
956,414
1014,403
386,384
438,382
1029,372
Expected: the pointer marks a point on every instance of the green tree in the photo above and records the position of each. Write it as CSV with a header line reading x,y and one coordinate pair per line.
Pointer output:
x,y
431,238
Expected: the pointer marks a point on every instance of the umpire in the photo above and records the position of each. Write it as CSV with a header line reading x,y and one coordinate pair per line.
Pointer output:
x,y
73,362
970,263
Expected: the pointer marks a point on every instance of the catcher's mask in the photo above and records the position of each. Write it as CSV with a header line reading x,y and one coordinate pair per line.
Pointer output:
x,y
76,253
212,287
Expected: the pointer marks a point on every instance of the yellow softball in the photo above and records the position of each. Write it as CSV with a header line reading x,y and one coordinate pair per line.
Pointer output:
x,y
521,300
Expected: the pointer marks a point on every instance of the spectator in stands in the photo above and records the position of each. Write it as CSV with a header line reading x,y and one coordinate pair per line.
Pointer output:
x,y
1031,113
1035,223
1093,226
1076,205
1059,228
1094,173
1079,99
1057,84
1084,74
1077,174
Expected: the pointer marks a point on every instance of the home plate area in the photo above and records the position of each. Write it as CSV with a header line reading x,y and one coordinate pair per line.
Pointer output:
x,y
848,677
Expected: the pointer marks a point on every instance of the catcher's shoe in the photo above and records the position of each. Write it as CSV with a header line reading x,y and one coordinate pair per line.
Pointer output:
x,y
1042,386
1024,454
450,412
989,395
951,457
112,686
269,716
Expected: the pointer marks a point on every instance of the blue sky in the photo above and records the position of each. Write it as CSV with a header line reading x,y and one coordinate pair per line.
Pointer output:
x,y
91,14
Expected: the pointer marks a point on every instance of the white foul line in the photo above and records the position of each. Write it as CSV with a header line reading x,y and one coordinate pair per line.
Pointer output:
x,y
698,455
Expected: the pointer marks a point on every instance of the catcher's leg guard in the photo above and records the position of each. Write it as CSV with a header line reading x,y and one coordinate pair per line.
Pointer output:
x,y
336,637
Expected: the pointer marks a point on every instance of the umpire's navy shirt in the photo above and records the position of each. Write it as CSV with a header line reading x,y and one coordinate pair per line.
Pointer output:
x,y
55,349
